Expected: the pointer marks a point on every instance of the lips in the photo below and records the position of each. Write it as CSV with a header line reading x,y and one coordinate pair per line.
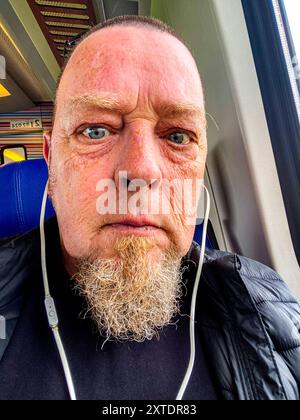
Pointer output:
x,y
137,222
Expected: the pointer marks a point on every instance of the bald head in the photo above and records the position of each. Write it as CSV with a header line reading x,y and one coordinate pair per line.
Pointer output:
x,y
141,22
144,47
129,20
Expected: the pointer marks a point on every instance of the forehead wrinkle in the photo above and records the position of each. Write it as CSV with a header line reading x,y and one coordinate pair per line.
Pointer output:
x,y
112,102
105,101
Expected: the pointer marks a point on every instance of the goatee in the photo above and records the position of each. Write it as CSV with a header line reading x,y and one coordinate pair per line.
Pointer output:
x,y
130,297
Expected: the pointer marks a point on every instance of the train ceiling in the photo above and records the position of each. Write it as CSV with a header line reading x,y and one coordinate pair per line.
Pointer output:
x,y
61,21
32,40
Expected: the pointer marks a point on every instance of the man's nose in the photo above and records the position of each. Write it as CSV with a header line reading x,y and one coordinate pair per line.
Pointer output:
x,y
139,158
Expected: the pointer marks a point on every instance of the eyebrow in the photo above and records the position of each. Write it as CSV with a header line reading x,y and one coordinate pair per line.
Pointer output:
x,y
183,110
177,110
111,102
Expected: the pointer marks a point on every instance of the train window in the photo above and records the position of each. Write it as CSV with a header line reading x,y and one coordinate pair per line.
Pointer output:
x,y
292,8
287,14
274,32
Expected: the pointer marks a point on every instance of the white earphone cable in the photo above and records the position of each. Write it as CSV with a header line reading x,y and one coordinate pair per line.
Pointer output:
x,y
50,305
193,302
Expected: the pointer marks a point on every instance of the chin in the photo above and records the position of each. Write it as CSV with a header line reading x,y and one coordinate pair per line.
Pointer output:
x,y
104,246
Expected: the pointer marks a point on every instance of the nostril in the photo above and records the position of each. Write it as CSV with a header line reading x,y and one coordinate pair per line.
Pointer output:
x,y
154,183
125,181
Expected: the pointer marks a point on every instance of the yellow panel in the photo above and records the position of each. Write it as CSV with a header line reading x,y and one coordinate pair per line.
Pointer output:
x,y
15,157
2,27
3,92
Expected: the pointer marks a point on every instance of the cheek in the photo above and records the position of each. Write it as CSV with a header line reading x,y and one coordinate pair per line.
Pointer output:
x,y
186,164
184,200
78,166
77,178
184,233
187,179
74,194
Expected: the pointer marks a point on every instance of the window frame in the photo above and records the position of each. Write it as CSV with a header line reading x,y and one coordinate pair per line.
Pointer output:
x,y
279,104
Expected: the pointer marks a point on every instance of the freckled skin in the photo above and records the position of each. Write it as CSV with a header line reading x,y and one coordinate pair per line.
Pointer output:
x,y
143,67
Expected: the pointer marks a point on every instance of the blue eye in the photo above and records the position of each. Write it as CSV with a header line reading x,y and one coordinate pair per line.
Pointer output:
x,y
179,138
96,133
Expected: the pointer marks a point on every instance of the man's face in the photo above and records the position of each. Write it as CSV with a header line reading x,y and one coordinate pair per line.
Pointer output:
x,y
131,100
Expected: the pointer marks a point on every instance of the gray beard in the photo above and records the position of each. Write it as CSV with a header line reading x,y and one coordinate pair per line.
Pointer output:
x,y
128,298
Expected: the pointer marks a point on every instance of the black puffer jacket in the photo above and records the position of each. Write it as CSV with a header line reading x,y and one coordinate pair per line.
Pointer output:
x,y
251,325
248,319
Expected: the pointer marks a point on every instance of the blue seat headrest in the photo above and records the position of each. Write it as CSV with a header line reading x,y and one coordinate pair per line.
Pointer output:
x,y
21,191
